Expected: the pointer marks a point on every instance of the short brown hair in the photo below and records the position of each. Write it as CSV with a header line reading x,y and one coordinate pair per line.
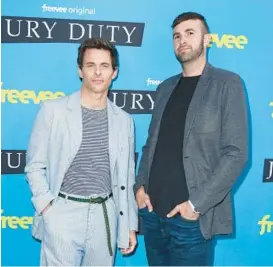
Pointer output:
x,y
188,16
98,43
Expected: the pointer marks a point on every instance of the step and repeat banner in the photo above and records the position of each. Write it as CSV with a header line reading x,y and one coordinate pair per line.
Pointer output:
x,y
39,50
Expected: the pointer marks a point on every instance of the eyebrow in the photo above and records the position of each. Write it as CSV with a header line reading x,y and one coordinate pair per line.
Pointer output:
x,y
176,33
91,62
187,30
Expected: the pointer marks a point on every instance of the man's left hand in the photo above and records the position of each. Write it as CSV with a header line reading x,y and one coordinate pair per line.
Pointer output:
x,y
185,211
132,244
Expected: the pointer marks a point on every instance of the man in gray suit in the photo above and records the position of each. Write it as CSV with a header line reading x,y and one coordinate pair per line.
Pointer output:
x,y
196,148
81,170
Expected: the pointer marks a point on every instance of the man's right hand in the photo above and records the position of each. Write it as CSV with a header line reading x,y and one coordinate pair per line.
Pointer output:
x,y
143,200
46,208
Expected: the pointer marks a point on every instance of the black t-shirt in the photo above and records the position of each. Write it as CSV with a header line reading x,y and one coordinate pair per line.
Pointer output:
x,y
167,183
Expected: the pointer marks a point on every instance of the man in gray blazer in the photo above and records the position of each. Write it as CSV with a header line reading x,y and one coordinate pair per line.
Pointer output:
x,y
196,148
81,169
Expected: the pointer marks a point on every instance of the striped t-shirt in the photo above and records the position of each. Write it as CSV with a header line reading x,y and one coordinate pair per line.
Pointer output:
x,y
89,173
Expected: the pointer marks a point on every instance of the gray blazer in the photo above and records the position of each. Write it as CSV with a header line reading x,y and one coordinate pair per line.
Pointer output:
x,y
215,145
54,142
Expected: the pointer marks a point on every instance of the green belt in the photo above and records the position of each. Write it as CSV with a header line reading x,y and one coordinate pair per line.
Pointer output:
x,y
96,200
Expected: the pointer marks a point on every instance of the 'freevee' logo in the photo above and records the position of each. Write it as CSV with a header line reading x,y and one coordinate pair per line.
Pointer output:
x,y
15,96
45,30
15,222
228,41
266,224
268,171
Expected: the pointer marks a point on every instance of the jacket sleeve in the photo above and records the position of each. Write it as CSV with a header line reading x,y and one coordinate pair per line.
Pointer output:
x,y
36,159
133,210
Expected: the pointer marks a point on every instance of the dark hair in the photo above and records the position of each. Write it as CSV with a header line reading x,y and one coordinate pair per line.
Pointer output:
x,y
98,43
190,15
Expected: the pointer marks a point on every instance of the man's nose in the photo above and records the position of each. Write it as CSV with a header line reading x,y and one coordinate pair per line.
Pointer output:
x,y
97,71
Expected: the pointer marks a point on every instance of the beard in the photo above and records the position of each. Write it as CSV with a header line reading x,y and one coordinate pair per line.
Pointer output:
x,y
190,54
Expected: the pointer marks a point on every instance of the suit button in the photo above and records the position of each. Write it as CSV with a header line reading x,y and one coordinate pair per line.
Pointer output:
x,y
122,187
121,213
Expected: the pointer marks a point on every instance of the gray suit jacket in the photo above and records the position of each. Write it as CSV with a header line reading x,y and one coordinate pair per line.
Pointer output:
x,y
54,142
215,145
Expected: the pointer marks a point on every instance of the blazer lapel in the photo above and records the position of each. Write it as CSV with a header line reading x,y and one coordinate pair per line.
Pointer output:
x,y
113,131
200,90
74,122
